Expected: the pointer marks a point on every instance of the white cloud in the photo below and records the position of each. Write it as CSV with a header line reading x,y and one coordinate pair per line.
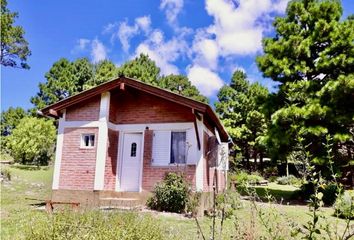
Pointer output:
x,y
126,31
172,8
98,51
205,80
144,23
238,27
82,43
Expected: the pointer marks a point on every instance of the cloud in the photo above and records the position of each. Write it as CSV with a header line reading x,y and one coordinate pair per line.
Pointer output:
x,y
98,51
172,8
205,80
126,31
239,26
164,53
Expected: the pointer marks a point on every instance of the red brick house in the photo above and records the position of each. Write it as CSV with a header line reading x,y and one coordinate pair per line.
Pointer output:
x,y
124,135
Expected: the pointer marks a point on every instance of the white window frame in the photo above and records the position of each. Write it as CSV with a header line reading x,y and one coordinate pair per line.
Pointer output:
x,y
82,141
186,148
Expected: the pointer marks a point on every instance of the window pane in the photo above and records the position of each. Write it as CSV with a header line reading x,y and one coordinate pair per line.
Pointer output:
x,y
178,147
133,150
86,140
92,140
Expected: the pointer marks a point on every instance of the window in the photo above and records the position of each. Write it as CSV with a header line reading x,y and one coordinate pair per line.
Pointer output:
x,y
88,140
178,147
133,150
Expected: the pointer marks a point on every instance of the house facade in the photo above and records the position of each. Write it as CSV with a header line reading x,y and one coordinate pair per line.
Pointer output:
x,y
123,137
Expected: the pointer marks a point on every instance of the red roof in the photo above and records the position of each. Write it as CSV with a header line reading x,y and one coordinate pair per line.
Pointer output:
x,y
54,109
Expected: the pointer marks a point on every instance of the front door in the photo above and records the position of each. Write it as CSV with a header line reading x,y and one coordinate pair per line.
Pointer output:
x,y
131,162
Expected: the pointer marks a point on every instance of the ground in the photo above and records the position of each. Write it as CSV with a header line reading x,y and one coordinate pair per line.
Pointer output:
x,y
30,186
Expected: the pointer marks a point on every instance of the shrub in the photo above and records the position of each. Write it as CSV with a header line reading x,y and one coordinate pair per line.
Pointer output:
x,y
270,171
288,180
272,178
32,141
244,178
330,193
93,225
193,203
171,194
228,202
307,189
344,205
6,174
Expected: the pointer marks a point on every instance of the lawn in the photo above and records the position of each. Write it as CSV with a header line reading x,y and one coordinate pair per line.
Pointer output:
x,y
17,212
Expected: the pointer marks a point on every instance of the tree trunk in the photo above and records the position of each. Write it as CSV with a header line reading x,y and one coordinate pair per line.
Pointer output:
x,y
261,161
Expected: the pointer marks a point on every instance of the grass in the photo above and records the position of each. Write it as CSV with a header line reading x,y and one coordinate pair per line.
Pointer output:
x,y
279,192
17,213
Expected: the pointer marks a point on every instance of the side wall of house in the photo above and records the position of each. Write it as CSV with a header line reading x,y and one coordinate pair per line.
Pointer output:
x,y
77,164
155,174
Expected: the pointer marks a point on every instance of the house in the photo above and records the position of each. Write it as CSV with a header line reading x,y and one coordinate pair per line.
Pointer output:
x,y
121,137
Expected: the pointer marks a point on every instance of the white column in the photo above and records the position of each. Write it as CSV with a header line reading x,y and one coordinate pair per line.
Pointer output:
x,y
199,176
58,152
102,141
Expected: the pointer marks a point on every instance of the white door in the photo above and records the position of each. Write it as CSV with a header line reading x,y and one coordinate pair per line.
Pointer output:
x,y
131,162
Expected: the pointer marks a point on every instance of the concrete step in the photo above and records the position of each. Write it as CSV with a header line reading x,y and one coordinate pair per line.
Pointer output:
x,y
120,202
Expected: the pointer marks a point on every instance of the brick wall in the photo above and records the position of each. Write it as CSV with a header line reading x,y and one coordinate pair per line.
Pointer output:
x,y
152,174
111,160
131,106
77,171
88,110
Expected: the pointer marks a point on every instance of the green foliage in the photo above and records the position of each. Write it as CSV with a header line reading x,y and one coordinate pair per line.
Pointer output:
x,y
93,225
240,109
193,203
171,194
244,178
32,141
344,205
330,192
312,56
103,71
14,47
10,119
142,68
6,173
227,203
289,180
181,85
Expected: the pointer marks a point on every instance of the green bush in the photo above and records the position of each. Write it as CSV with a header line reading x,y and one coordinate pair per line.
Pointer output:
x,y
193,203
330,192
270,172
6,174
244,178
93,225
344,205
289,180
227,203
32,141
171,194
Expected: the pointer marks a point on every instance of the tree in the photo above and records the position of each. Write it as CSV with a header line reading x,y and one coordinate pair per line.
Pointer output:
x,y
14,47
181,85
239,107
32,141
10,119
103,71
61,83
142,68
312,56
84,73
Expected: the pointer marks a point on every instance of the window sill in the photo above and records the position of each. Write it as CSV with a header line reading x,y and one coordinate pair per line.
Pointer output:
x,y
87,148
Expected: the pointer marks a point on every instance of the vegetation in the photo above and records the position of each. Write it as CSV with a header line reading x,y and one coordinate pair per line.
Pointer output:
x,y
14,47
344,205
240,110
311,56
171,194
32,141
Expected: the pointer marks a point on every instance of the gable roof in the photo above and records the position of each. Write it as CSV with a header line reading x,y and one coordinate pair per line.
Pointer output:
x,y
53,109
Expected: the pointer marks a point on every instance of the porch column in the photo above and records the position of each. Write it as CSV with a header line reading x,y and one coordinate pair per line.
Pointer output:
x,y
199,177
58,152
102,141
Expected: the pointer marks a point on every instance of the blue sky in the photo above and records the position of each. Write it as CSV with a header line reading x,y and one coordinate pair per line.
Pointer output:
x,y
205,40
